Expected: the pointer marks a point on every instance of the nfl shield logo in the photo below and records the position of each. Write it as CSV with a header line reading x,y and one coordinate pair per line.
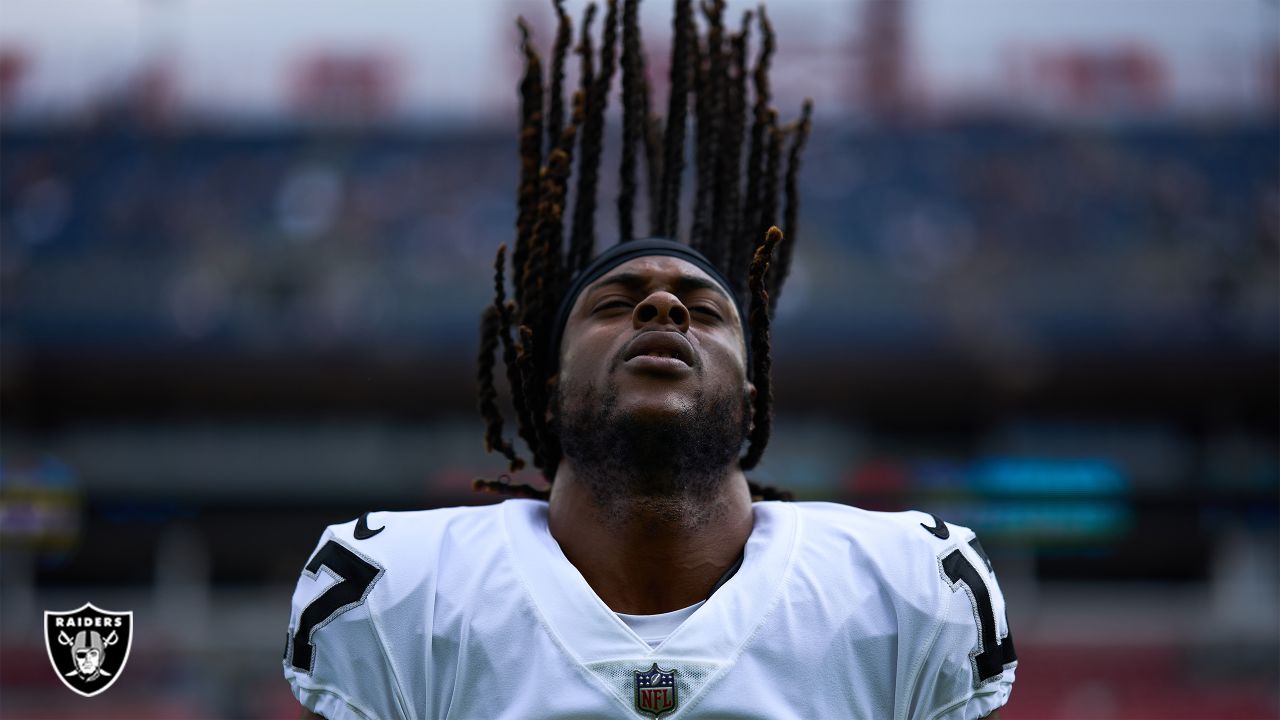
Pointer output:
x,y
88,647
656,691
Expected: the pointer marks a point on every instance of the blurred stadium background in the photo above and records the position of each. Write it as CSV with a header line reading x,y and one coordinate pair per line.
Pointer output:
x,y
244,246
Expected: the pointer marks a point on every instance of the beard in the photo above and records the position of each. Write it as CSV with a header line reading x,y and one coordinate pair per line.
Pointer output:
x,y
668,460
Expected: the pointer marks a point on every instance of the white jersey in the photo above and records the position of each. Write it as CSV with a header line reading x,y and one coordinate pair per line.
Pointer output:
x,y
476,614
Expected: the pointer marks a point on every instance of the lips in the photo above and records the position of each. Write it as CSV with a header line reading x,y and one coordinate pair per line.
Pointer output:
x,y
661,344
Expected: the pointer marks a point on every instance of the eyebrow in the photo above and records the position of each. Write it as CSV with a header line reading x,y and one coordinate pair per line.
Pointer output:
x,y
683,283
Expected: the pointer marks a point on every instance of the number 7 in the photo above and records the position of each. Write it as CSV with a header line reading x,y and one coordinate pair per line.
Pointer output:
x,y
357,577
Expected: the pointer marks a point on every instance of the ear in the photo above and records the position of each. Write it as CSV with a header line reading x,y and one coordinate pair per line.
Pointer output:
x,y
751,407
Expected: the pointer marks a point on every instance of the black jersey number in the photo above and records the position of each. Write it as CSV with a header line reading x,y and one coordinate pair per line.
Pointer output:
x,y
357,578
995,654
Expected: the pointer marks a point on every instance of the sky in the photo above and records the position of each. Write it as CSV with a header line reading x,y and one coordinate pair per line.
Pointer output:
x,y
459,58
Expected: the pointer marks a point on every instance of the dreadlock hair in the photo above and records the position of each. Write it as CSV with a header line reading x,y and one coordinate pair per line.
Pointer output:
x,y
799,137
709,112
733,223
755,163
564,34
582,243
683,37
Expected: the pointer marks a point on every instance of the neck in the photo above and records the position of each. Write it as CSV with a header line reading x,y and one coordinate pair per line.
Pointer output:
x,y
644,555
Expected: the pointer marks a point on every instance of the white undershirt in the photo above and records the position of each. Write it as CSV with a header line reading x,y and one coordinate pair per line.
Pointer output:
x,y
653,629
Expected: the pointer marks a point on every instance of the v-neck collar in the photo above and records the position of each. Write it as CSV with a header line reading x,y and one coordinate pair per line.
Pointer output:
x,y
592,632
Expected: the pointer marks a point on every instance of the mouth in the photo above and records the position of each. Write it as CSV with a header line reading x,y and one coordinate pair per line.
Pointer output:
x,y
660,349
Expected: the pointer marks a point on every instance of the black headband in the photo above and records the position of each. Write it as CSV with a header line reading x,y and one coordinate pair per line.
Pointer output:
x,y
621,253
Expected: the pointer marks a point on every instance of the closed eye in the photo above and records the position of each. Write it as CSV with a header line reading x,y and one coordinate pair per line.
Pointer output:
x,y
709,311
617,303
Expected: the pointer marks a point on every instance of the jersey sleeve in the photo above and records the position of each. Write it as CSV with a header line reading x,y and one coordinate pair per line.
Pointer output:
x,y
335,660
968,666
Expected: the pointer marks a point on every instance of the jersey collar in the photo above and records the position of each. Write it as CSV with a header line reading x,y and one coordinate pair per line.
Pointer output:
x,y
591,632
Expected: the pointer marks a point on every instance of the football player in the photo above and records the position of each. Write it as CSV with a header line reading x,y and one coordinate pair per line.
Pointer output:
x,y
647,576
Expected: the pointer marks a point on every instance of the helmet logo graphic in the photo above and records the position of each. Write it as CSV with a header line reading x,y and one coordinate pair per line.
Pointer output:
x,y
87,649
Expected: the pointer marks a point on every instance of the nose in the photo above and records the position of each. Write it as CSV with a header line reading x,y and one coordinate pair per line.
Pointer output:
x,y
662,308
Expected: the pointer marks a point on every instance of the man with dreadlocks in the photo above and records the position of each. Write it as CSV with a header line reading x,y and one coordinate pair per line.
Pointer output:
x,y
647,576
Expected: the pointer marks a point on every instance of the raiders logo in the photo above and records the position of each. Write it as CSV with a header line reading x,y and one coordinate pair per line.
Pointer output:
x,y
88,647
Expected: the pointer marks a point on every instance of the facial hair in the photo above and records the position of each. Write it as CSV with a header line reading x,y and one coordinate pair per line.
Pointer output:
x,y
680,461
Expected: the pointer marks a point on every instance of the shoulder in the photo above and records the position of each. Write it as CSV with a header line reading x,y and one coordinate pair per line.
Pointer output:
x,y
934,585
921,558
410,553
368,580
901,554
385,530
893,542
886,565
864,524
